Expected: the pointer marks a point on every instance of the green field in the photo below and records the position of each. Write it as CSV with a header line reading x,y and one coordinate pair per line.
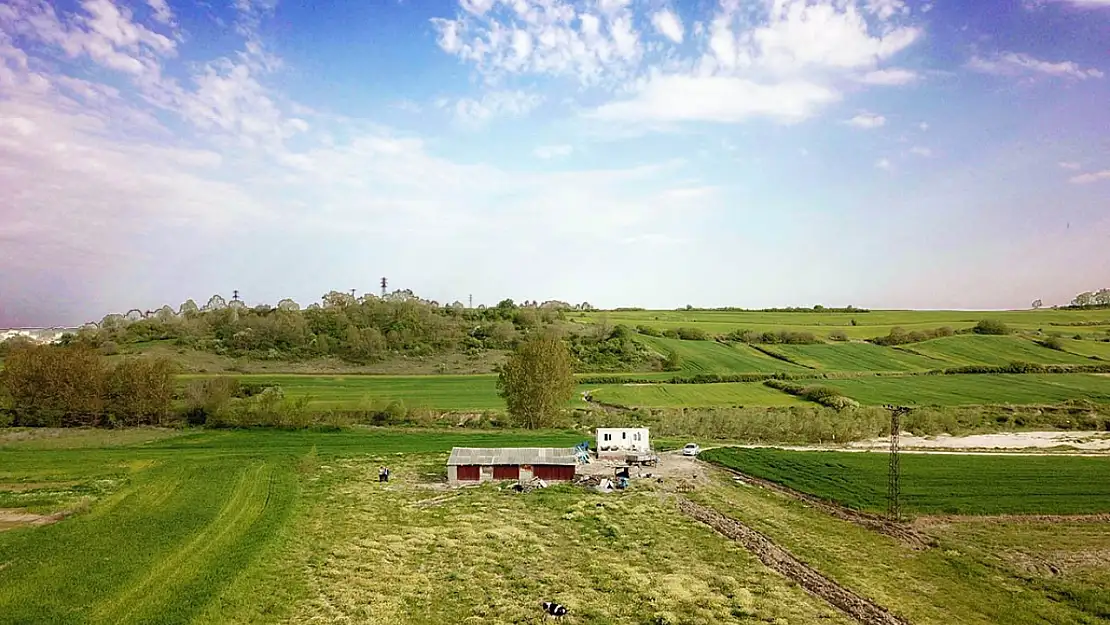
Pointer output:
x,y
869,324
965,390
935,484
974,349
713,357
268,527
856,357
690,395
1098,349
350,392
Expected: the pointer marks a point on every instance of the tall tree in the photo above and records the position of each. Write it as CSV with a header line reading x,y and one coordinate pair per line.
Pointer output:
x,y
537,381
1037,304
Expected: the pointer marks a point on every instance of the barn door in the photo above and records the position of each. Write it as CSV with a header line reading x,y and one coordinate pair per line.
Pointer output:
x,y
468,473
553,472
506,472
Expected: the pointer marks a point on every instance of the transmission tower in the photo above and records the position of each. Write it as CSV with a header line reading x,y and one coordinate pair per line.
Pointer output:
x,y
383,287
352,293
235,295
894,470
471,301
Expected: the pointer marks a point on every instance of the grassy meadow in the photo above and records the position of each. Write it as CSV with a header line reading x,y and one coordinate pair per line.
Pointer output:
x,y
713,357
218,527
972,349
967,390
935,483
687,395
856,357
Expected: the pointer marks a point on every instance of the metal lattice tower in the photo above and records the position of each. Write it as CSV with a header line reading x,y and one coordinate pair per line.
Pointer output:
x,y
352,293
894,470
235,295
471,301
383,287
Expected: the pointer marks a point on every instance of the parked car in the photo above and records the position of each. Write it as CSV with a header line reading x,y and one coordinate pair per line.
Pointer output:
x,y
691,449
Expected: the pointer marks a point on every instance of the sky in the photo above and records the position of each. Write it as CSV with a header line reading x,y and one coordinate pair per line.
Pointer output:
x,y
752,153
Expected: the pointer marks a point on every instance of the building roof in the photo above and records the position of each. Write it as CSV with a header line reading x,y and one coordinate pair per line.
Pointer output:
x,y
512,455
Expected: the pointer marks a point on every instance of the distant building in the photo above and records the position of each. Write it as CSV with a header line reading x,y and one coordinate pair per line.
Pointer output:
x,y
468,465
38,335
622,441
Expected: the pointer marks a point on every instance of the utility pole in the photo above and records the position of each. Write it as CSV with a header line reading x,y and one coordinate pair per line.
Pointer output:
x,y
894,469
352,293
383,287
471,301
235,295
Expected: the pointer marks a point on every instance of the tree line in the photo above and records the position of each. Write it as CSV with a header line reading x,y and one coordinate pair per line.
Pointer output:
x,y
359,330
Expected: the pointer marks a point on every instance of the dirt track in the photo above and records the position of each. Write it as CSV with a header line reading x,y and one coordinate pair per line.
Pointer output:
x,y
862,609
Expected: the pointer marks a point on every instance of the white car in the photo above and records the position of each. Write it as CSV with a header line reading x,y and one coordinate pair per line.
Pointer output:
x,y
691,449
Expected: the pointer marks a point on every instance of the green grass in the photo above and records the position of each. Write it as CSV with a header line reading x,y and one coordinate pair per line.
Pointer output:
x,y
974,349
874,323
856,357
967,390
713,357
1099,349
693,395
935,484
445,392
265,526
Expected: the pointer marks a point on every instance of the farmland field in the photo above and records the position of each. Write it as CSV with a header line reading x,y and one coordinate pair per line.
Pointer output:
x,y
1099,349
856,357
262,527
679,395
975,349
713,357
935,484
445,392
869,324
965,390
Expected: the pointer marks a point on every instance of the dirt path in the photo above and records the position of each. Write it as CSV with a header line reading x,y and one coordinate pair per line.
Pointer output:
x,y
779,559
904,533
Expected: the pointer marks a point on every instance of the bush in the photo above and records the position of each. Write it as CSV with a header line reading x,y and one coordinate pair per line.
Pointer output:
x,y
670,333
991,326
1053,342
899,336
648,330
139,392
838,335
208,399
692,334
673,362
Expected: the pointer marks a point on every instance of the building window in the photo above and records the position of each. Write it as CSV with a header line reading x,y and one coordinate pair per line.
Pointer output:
x,y
635,436
608,437
624,435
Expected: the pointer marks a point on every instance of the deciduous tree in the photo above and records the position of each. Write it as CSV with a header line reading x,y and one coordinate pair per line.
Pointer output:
x,y
537,381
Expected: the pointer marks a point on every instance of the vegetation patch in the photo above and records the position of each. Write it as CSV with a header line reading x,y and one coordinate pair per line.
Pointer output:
x,y
990,350
678,395
955,390
858,357
935,484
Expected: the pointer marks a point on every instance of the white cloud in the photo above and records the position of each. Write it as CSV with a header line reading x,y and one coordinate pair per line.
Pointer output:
x,y
1090,177
1087,4
867,121
161,11
553,151
884,164
1068,165
921,151
891,77
475,113
1017,64
923,126
716,99
668,24
797,54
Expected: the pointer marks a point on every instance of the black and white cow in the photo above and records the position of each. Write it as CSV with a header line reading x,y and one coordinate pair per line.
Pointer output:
x,y
554,610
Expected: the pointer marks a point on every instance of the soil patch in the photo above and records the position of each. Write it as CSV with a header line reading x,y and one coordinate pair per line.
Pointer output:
x,y
860,608
11,518
930,521
907,534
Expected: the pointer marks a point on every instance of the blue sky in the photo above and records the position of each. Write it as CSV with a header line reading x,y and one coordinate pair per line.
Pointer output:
x,y
880,153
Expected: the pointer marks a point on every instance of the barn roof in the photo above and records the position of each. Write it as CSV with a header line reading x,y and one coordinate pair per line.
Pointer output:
x,y
512,455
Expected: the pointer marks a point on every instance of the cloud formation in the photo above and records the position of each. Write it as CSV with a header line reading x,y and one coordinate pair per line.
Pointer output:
x,y
1088,178
867,121
1018,64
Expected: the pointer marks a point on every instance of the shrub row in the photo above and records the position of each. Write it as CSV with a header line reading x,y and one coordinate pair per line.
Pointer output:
x,y
899,336
824,395
786,337
1024,367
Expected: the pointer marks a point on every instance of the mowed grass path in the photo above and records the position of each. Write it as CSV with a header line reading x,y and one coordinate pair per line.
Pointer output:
x,y
967,390
693,395
856,357
974,349
713,357
935,484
